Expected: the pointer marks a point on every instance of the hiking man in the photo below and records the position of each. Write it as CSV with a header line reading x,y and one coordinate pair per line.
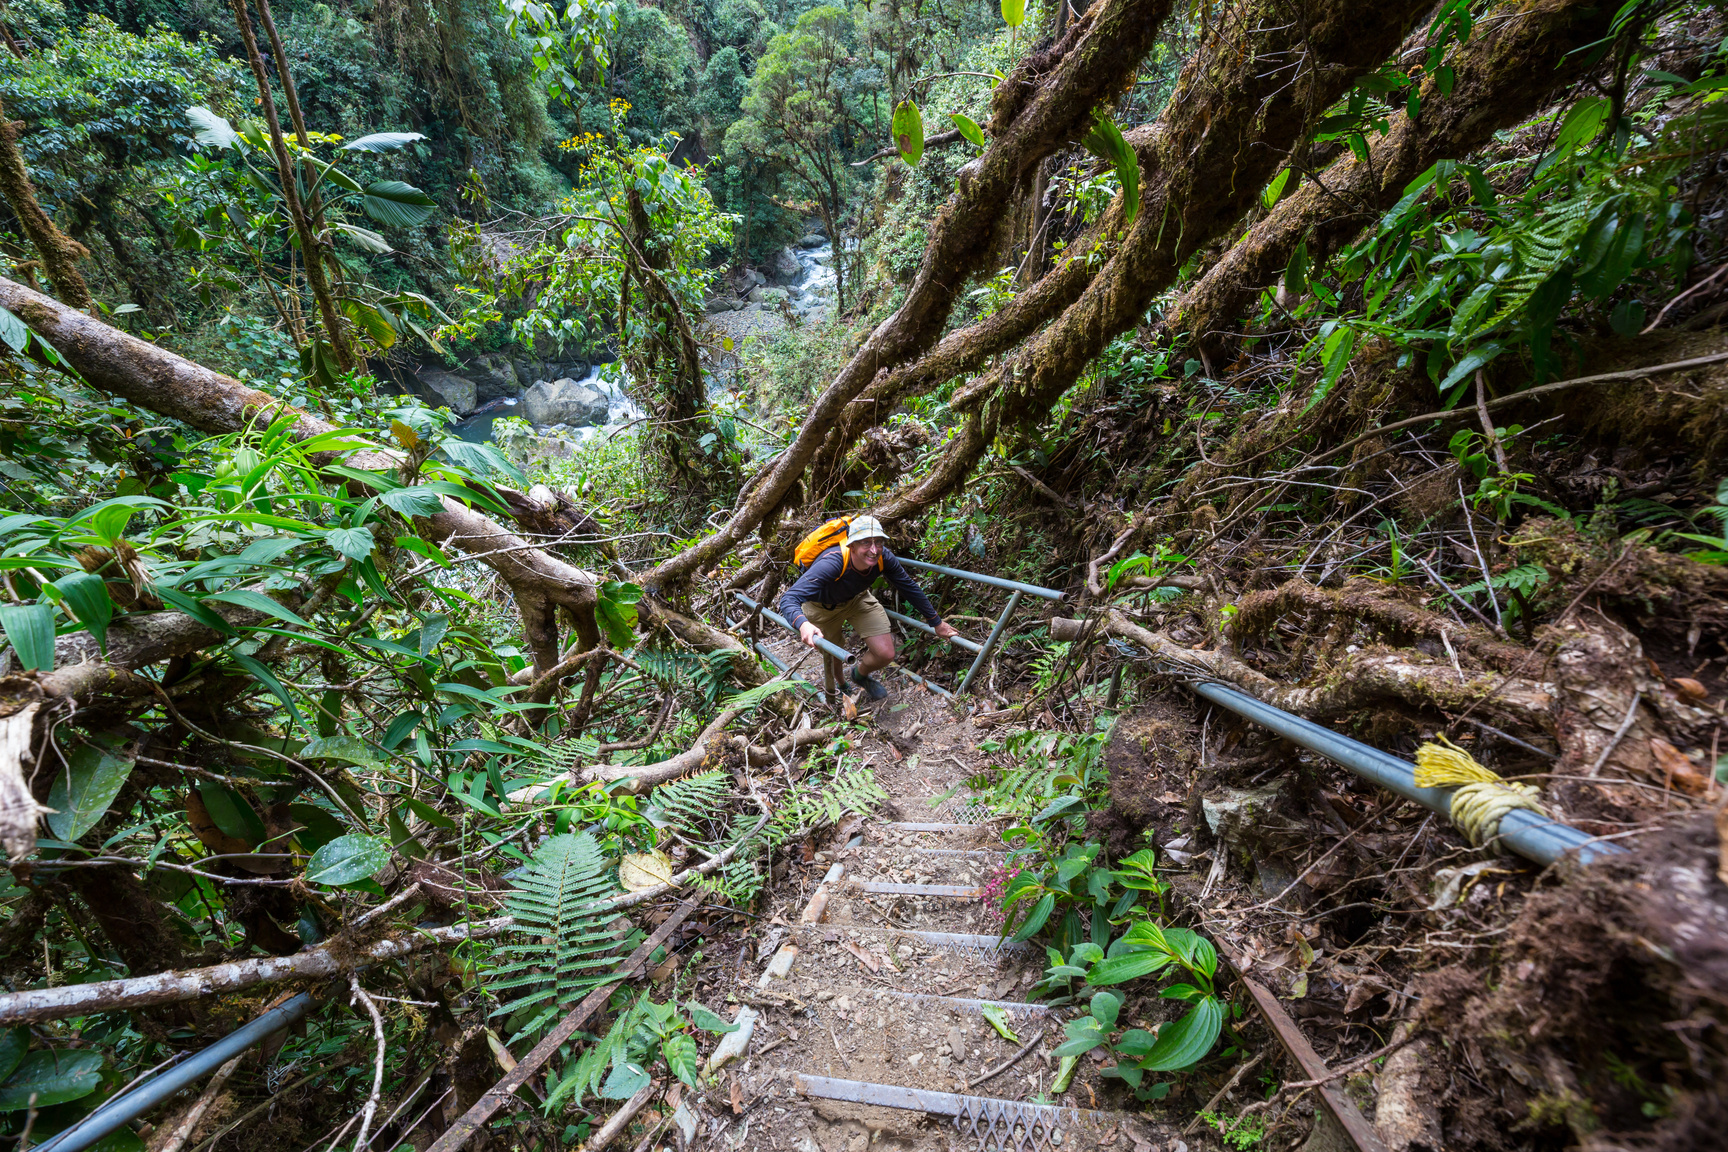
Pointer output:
x,y
835,588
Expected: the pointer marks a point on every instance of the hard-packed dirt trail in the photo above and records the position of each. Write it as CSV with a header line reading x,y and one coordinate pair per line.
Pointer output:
x,y
885,1010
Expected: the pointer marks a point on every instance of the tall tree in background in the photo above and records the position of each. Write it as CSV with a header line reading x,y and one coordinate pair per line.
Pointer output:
x,y
795,117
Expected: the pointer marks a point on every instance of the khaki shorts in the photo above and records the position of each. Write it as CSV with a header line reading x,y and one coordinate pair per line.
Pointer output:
x,y
864,611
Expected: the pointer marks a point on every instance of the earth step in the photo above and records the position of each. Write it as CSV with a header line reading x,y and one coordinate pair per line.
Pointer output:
x,y
955,891
986,1122
966,943
1016,1010
974,853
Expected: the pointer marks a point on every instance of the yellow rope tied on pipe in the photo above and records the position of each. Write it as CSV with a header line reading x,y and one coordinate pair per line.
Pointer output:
x,y
1482,799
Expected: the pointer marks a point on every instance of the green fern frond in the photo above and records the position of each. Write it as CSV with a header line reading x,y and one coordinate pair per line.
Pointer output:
x,y
583,1076
568,944
745,701
694,807
1540,252
675,669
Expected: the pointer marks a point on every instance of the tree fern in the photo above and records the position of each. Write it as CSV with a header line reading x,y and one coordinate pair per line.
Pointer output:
x,y
569,945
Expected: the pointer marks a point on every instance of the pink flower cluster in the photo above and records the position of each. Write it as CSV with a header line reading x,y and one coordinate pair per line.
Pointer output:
x,y
993,889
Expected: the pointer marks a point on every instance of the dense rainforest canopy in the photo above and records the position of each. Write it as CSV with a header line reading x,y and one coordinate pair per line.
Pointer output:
x,y
1310,413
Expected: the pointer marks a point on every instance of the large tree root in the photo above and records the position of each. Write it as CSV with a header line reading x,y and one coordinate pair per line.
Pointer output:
x,y
1046,102
1361,681
1367,601
1240,104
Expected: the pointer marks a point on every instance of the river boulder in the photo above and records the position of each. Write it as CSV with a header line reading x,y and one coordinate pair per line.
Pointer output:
x,y
447,390
565,401
494,377
785,267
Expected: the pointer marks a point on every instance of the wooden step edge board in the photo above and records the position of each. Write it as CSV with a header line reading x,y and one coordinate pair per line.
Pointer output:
x,y
1343,1110
990,1119
953,891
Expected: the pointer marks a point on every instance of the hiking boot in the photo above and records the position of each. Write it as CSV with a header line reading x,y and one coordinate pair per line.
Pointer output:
x,y
869,683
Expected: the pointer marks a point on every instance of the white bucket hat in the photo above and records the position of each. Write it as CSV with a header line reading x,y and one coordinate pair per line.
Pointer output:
x,y
864,528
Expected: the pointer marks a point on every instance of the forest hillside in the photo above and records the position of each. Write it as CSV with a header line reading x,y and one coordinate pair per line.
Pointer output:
x,y
924,574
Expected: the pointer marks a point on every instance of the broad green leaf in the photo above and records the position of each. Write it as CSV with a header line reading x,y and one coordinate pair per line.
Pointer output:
x,y
30,628
14,1042
258,602
416,501
382,142
86,597
371,320
401,839
1186,1042
267,678
1296,272
1056,807
626,1080
44,1078
1477,357
1118,969
997,1018
1084,1034
321,826
680,1052
1135,1042
230,812
364,238
968,128
83,788
429,814
616,610
394,203
1106,142
1014,12
1275,189
907,127
354,543
1035,919
347,859
348,749
1105,1006
708,1021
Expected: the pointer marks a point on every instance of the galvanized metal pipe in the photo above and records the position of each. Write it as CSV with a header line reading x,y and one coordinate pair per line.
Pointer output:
x,y
1534,837
153,1092
980,578
822,642
960,641
990,644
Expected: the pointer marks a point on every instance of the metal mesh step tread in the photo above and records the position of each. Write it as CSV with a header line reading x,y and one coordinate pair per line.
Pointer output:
x,y
956,891
968,942
997,1125
917,826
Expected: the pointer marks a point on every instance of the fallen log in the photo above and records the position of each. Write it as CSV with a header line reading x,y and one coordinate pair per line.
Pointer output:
x,y
333,959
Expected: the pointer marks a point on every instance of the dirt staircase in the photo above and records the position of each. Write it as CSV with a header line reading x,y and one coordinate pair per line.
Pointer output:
x,y
879,966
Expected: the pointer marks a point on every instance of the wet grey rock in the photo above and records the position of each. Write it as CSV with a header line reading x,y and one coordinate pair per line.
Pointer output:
x,y
494,378
785,266
767,295
446,390
724,304
564,401
813,240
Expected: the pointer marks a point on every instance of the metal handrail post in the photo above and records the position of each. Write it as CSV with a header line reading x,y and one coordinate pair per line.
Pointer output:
x,y
990,644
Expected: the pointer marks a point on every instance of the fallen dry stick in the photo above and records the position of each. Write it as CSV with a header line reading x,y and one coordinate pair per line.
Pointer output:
x,y
1008,1063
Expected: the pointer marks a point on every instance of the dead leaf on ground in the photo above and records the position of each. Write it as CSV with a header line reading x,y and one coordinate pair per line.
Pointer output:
x,y
737,1098
864,957
640,871
1678,768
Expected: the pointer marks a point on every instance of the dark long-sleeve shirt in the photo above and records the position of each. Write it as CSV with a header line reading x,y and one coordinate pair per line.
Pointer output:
x,y
824,584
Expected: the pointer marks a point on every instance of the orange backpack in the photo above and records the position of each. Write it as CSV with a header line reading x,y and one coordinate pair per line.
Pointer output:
x,y
822,539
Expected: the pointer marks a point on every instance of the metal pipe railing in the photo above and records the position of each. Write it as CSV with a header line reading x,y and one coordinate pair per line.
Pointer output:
x,y
833,650
995,635
959,641
980,578
147,1095
1532,836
